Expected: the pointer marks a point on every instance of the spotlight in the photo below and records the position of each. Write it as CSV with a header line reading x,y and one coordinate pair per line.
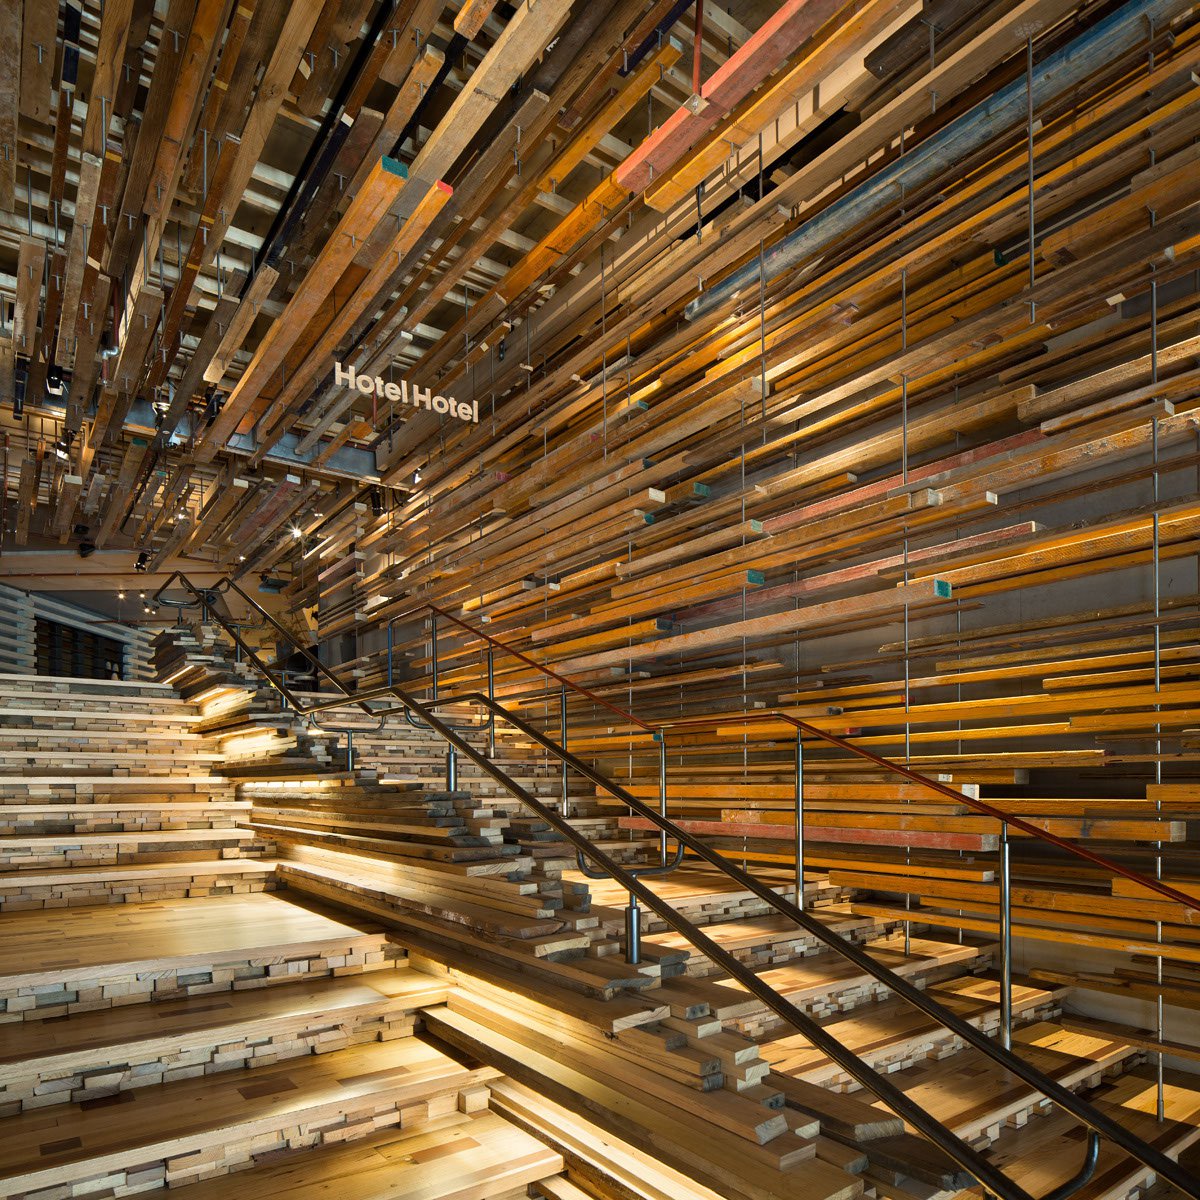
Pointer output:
x,y
143,561
54,381
212,405
502,349
120,595
296,531
377,502
87,549
417,475
241,558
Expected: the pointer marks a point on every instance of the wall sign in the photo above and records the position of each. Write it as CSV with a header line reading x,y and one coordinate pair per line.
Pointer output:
x,y
404,393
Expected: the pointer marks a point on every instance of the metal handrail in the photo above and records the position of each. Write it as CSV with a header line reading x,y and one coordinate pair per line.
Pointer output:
x,y
969,1159
979,806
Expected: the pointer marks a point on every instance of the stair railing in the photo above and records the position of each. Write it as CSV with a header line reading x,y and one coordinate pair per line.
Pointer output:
x,y
969,1159
1099,1124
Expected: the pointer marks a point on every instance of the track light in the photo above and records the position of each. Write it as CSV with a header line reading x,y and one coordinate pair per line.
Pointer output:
x,y
377,502
143,561
417,475
54,381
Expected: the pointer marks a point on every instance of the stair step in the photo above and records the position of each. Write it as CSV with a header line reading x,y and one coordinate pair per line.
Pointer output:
x,y
67,960
975,1097
97,1054
827,983
96,849
620,1168
475,1156
133,883
702,1147
104,783
1046,1151
439,938
130,816
891,1034
174,1133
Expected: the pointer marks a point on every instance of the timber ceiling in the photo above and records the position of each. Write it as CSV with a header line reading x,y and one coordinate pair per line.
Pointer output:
x,y
749,360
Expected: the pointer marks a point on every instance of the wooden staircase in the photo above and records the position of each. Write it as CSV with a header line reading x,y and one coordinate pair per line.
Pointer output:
x,y
671,1055
169,1019
109,794
406,945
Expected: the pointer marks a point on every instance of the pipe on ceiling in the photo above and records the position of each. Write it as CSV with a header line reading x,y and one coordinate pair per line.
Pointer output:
x,y
318,162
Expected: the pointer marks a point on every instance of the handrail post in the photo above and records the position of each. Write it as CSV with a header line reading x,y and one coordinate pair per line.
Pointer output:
x,y
391,639
451,769
433,652
349,749
662,796
491,682
633,931
1005,940
562,740
799,818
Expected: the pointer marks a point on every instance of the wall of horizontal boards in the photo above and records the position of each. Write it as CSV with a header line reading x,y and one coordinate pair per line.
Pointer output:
x,y
753,508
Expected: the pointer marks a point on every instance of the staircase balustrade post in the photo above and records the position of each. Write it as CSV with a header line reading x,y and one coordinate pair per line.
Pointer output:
x,y
633,931
662,796
799,818
1005,940
562,741
433,652
451,769
491,691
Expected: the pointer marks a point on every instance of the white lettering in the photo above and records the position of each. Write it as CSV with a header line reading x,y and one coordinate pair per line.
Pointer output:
x,y
404,392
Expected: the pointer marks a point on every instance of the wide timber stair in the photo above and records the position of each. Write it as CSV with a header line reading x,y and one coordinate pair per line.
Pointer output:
x,y
417,943
165,1020
643,1045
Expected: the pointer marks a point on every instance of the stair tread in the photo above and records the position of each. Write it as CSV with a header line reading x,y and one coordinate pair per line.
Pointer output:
x,y
39,877
40,1148
970,1092
883,1029
8,840
456,1158
78,941
27,1047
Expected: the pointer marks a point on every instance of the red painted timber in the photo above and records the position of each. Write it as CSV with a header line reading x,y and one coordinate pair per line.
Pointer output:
x,y
818,833
784,32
